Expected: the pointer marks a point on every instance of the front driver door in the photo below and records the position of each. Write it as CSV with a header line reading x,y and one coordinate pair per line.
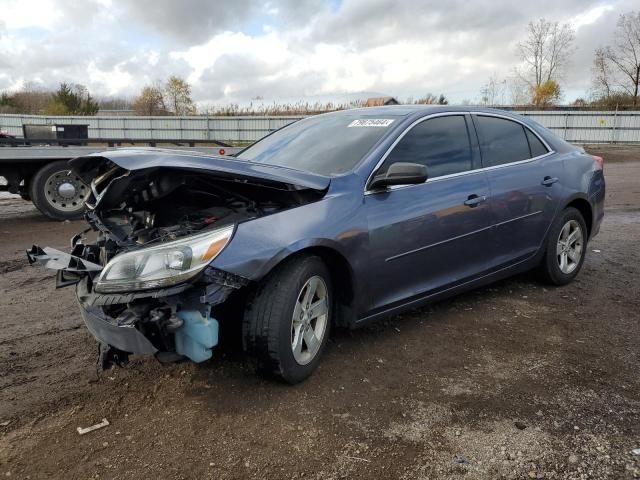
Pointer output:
x,y
430,236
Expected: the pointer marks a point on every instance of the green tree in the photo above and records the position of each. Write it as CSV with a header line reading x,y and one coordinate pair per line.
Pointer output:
x,y
68,100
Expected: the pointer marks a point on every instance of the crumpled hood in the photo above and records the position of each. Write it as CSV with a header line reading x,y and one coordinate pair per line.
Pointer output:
x,y
133,159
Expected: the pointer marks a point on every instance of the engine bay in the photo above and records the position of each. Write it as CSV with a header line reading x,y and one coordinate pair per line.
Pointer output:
x,y
143,209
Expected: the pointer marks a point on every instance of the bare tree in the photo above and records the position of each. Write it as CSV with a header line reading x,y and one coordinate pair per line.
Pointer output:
x,y
492,92
624,55
546,51
31,99
519,91
602,74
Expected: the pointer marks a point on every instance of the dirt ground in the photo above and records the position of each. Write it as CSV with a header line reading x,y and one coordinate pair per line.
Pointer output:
x,y
517,380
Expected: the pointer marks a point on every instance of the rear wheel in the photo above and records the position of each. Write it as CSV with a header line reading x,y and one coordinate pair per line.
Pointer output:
x,y
287,322
57,192
566,248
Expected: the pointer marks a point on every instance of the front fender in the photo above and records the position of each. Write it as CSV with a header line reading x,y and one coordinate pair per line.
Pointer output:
x,y
333,222
298,247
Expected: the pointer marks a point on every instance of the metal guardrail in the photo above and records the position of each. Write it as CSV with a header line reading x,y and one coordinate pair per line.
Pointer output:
x,y
574,126
161,129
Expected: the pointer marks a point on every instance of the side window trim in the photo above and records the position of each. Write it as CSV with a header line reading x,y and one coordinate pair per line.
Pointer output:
x,y
406,131
523,125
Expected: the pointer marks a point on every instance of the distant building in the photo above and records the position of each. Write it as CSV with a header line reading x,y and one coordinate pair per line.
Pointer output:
x,y
381,101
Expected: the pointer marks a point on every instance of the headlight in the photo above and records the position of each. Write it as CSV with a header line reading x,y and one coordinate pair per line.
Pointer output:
x,y
163,265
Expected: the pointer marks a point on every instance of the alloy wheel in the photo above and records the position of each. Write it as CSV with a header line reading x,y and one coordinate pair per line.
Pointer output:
x,y
569,247
309,322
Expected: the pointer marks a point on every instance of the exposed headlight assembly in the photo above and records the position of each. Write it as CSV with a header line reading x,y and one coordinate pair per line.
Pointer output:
x,y
162,265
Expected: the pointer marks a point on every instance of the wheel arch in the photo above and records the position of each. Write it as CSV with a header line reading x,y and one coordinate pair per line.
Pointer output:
x,y
582,204
342,277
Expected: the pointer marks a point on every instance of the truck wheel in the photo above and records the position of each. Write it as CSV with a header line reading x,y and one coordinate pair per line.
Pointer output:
x,y
287,321
566,248
58,193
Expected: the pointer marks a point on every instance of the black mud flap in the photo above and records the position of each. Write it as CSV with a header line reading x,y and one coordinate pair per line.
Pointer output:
x,y
70,268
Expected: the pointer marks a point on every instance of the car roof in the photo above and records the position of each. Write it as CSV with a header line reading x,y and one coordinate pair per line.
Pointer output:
x,y
421,110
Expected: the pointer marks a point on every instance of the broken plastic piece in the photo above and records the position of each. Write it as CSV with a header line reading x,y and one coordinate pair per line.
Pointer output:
x,y
56,260
109,356
102,424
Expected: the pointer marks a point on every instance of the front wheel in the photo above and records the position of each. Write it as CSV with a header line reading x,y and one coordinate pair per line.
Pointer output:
x,y
566,248
287,321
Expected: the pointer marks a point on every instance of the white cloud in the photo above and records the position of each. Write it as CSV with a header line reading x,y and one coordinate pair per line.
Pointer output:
x,y
590,16
112,81
18,14
235,50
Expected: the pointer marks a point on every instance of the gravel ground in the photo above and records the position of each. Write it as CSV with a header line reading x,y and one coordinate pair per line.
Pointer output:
x,y
517,380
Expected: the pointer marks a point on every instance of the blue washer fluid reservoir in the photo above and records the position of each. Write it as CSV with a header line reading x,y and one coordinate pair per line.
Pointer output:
x,y
197,336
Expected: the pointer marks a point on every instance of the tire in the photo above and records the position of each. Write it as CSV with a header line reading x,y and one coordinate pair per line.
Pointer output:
x,y
270,331
45,191
551,268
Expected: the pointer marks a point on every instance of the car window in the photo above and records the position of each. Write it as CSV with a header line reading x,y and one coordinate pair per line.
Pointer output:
x,y
328,144
501,141
441,144
535,145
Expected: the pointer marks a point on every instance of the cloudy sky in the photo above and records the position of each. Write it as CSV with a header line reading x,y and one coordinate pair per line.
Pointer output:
x,y
234,50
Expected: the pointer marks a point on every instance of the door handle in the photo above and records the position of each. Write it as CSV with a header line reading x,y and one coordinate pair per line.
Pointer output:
x,y
548,181
474,200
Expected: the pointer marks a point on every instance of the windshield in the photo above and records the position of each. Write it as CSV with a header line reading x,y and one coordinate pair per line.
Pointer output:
x,y
326,144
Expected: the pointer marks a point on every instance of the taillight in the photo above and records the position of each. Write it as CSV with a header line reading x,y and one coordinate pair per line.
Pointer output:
x,y
599,161
222,152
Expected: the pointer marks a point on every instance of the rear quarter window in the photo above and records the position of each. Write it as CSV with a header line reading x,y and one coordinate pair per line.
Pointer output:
x,y
536,146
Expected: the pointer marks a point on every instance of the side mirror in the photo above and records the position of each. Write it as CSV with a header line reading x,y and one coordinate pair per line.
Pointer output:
x,y
400,173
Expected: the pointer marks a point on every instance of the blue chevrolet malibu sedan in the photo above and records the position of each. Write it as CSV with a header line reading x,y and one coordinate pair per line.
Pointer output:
x,y
335,220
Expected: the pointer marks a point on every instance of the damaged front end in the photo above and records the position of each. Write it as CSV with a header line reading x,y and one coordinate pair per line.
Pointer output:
x,y
145,283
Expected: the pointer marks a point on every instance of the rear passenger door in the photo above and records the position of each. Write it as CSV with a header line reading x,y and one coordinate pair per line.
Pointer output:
x,y
524,181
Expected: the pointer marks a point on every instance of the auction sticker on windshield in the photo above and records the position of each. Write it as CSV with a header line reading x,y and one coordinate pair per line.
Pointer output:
x,y
371,122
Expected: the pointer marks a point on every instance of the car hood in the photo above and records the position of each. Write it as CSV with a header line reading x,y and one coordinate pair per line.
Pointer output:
x,y
90,166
